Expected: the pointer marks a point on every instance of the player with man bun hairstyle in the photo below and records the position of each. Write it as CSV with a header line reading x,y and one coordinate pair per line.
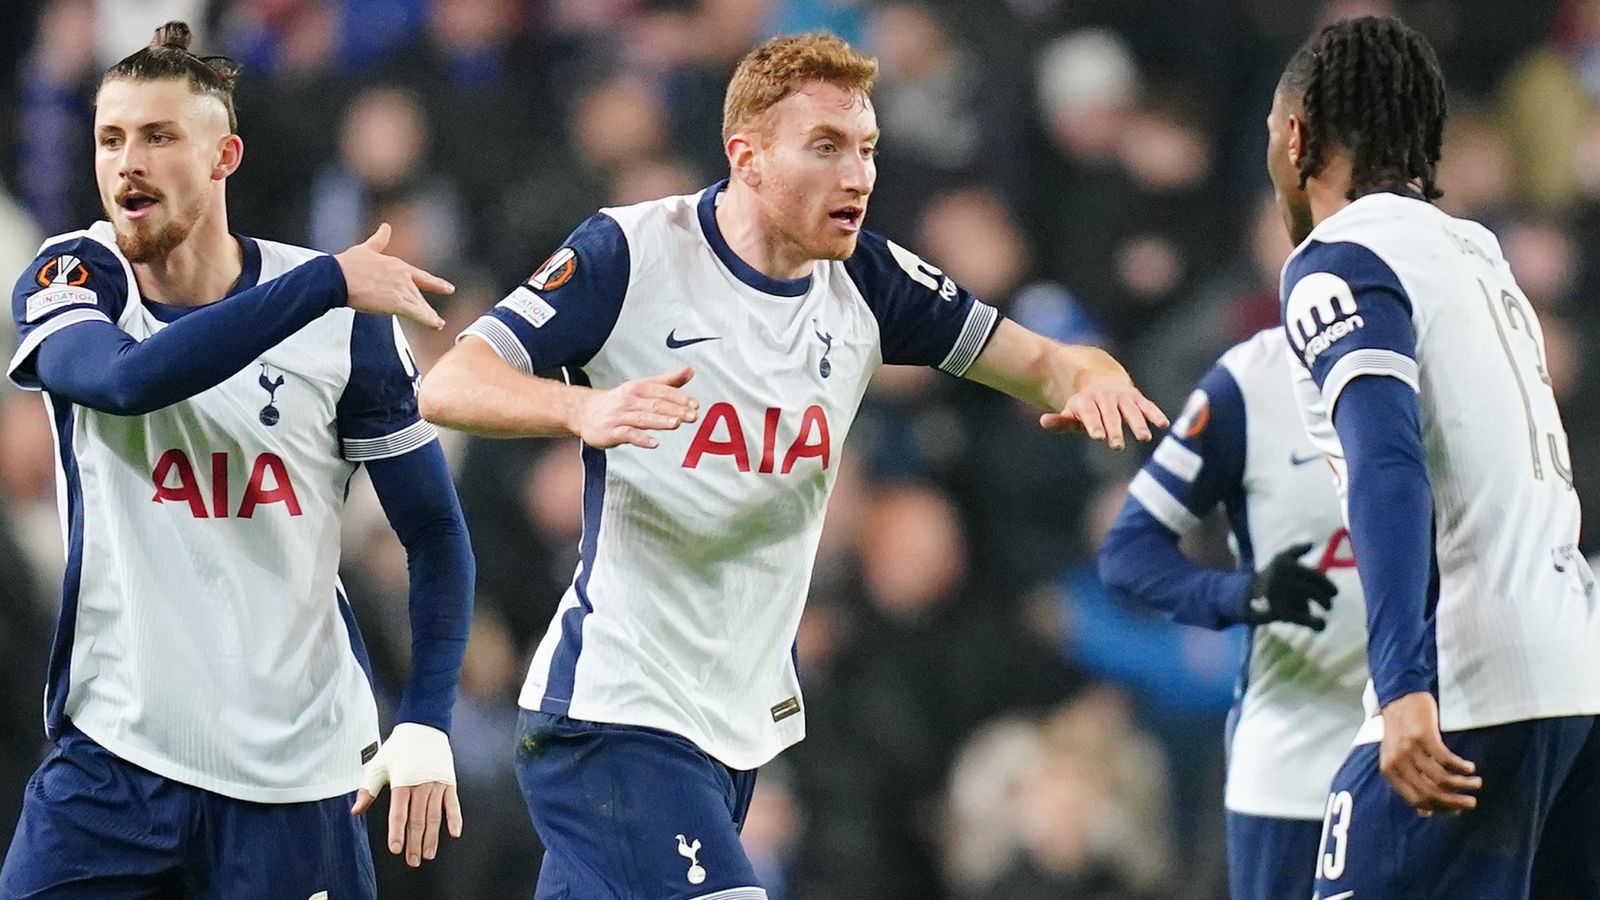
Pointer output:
x,y
212,395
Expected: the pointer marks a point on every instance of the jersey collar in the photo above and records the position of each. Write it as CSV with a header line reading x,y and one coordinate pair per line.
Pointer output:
x,y
793,287
249,275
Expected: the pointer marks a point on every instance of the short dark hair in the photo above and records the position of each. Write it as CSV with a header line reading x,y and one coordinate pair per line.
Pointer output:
x,y
1373,86
168,56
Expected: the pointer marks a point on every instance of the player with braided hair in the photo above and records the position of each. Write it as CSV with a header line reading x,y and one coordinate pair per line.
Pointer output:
x,y
1419,369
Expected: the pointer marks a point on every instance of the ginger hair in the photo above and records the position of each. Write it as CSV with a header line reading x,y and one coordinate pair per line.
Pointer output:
x,y
783,65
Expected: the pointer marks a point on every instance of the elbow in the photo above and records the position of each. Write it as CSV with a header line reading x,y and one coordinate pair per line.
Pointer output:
x,y
429,404
130,399
433,397
1109,563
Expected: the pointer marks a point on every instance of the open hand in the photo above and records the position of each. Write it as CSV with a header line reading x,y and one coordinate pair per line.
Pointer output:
x,y
1102,407
627,413
388,285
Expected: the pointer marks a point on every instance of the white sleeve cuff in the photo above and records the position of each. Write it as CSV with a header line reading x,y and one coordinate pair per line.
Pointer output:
x,y
975,332
418,434
1159,501
1367,362
503,340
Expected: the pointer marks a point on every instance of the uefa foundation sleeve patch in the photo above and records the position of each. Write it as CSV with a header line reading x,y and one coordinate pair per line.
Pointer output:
x,y
555,271
65,280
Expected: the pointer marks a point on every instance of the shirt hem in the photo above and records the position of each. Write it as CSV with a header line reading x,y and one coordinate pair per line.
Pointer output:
x,y
166,768
1372,729
739,761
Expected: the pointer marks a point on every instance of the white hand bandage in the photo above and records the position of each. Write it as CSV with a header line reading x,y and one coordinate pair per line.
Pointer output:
x,y
413,754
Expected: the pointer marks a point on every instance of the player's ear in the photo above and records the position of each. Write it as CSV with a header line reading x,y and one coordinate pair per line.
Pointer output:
x,y
1295,131
230,152
744,163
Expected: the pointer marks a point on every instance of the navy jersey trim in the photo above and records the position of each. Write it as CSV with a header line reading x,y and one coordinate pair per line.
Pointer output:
x,y
249,277
1430,608
707,213
924,318
561,681
569,318
60,678
358,646
376,414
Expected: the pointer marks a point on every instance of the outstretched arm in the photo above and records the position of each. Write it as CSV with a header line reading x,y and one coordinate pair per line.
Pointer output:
x,y
98,365
473,389
1080,387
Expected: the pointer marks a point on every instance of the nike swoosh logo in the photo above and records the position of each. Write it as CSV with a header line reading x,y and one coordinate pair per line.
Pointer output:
x,y
673,343
1296,459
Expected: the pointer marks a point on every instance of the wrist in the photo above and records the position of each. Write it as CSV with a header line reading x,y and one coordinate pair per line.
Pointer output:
x,y
1243,587
1096,365
339,295
574,403
1406,685
419,731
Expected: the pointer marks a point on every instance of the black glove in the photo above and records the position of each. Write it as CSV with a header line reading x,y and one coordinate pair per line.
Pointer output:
x,y
1288,591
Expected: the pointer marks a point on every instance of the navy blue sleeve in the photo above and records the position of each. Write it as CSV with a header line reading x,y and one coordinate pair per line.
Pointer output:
x,y
564,312
924,317
1199,464
420,501
70,282
1391,531
1346,314
377,413
98,365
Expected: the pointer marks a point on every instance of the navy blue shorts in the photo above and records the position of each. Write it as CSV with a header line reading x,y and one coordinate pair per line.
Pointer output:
x,y
1271,859
95,826
1535,832
629,813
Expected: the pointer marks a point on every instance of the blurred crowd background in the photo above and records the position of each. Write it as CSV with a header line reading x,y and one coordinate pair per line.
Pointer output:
x,y
986,721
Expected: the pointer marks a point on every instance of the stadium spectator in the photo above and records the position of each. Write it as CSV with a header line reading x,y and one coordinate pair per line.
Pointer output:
x,y
382,171
56,91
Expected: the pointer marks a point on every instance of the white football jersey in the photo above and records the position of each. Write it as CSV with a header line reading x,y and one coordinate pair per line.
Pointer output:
x,y
204,633
1392,286
1239,442
696,555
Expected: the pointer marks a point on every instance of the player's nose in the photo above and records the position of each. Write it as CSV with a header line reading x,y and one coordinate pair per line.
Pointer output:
x,y
857,177
132,161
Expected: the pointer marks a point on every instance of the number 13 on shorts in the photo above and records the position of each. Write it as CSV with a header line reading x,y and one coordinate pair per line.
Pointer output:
x,y
1335,836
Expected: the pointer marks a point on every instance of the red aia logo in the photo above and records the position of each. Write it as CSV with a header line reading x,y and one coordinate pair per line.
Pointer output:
x,y
811,440
174,466
1339,554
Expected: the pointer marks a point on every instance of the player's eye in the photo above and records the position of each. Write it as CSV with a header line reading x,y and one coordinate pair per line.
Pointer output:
x,y
111,141
869,152
159,138
827,147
